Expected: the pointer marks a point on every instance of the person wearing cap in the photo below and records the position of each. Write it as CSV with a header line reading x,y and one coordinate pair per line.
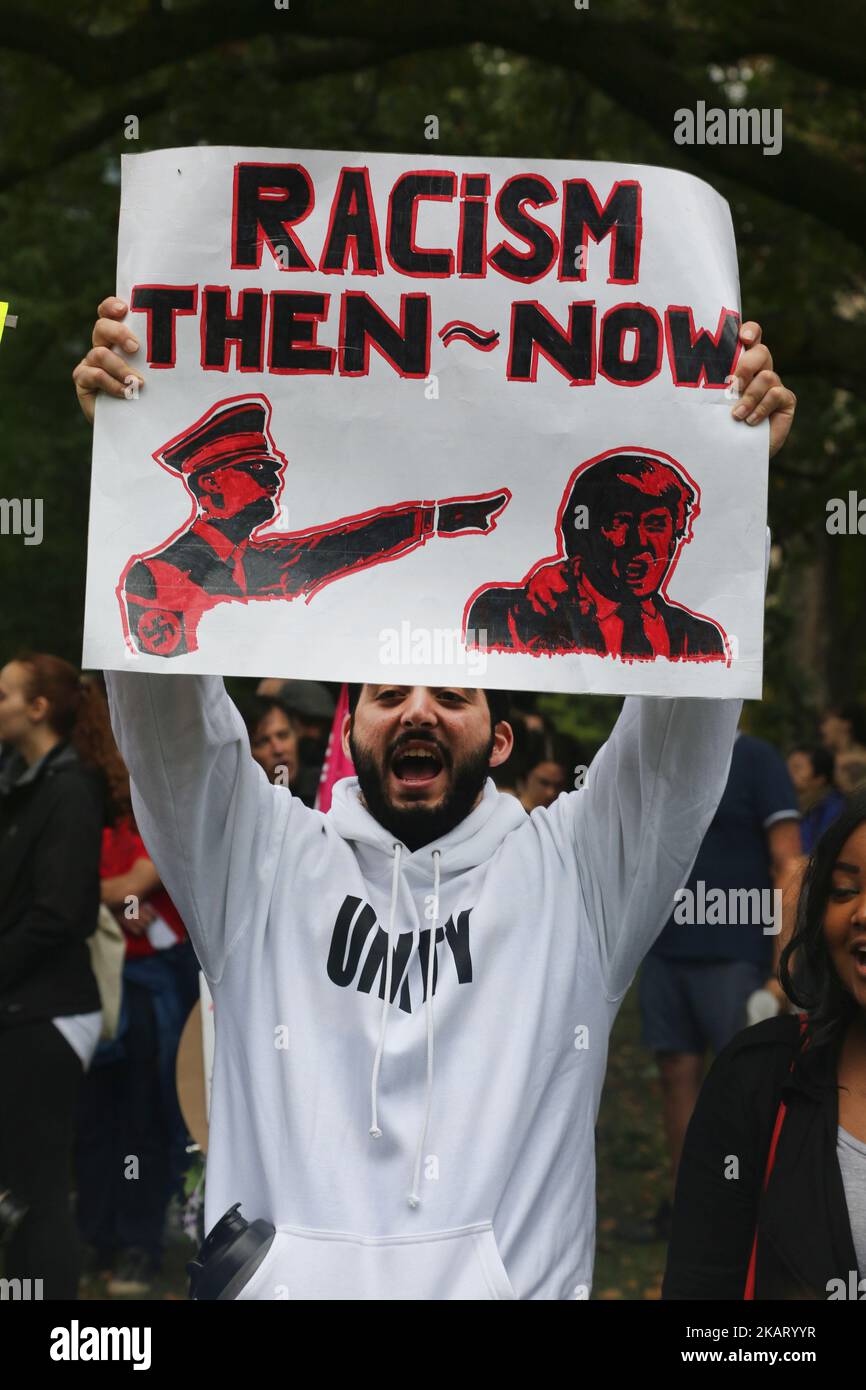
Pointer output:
x,y
310,703
234,472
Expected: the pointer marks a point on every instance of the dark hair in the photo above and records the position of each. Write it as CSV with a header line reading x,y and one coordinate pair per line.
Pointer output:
x,y
498,702
853,714
258,707
806,970
78,714
53,679
616,481
94,742
822,760
528,746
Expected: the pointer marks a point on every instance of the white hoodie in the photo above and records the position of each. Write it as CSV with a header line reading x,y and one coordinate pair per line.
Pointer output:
x,y
438,1149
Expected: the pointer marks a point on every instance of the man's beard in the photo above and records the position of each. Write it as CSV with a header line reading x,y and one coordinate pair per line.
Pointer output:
x,y
419,825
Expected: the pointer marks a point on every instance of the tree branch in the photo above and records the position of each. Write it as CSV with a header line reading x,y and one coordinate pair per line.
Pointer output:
x,y
159,38
303,66
631,62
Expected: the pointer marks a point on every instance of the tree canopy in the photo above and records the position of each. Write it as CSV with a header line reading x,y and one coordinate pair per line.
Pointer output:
x,y
540,78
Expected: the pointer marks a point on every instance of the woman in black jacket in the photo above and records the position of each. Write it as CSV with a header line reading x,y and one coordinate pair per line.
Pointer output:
x,y
51,816
771,1193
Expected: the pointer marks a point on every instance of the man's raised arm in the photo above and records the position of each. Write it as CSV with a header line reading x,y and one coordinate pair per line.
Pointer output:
x,y
654,787
212,823
638,824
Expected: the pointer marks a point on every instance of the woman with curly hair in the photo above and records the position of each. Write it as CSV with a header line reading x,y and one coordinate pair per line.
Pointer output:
x,y
771,1195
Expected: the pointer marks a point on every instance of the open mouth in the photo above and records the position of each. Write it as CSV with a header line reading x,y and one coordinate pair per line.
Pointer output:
x,y
417,764
636,571
859,953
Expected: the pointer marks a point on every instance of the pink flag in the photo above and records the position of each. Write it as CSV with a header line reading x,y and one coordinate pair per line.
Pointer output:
x,y
336,764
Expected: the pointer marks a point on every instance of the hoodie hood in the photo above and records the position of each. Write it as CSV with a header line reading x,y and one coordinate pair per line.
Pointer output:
x,y
469,844
472,842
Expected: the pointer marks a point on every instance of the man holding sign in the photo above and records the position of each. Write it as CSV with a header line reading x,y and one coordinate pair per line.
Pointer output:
x,y
414,993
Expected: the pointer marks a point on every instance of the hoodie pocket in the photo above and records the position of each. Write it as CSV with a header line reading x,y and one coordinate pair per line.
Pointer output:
x,y
462,1264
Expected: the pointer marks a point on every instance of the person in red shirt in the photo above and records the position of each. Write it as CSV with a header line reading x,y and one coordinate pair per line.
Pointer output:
x,y
150,922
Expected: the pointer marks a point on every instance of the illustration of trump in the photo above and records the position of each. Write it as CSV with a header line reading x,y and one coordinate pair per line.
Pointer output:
x,y
621,526
234,474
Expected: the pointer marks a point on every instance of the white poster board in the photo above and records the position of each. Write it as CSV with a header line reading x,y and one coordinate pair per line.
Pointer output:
x,y
434,420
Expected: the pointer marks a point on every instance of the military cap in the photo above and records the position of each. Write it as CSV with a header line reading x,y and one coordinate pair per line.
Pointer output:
x,y
230,432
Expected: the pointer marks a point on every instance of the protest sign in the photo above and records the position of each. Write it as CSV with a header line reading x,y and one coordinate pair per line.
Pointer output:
x,y
432,420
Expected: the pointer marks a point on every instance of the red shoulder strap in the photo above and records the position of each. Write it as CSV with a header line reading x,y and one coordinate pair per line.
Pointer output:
x,y
749,1292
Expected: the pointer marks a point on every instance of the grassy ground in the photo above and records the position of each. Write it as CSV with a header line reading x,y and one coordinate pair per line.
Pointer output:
x,y
172,1283
632,1178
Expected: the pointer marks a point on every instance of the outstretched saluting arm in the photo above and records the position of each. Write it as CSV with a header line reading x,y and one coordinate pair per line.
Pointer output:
x,y
305,562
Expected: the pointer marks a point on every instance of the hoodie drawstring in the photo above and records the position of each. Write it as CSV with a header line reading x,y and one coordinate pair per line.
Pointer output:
x,y
375,1131
414,1197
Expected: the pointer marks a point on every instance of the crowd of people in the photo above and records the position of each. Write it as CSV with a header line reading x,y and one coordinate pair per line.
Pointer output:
x,y
92,1143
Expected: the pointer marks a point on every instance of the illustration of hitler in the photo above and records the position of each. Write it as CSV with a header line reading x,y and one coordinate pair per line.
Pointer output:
x,y
234,473
621,526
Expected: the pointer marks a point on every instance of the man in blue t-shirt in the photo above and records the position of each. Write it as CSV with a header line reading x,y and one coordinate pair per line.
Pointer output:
x,y
717,947
812,774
